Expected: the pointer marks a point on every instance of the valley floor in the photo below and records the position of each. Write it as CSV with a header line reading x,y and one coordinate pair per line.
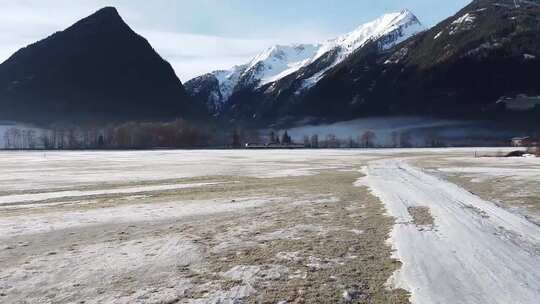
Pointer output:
x,y
306,226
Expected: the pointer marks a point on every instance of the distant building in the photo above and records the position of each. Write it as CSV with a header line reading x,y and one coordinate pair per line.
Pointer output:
x,y
521,102
525,141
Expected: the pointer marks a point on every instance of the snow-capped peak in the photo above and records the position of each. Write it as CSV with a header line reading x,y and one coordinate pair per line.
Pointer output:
x,y
403,21
280,61
394,27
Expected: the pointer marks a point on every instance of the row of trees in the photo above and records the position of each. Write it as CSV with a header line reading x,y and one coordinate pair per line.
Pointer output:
x,y
132,135
367,139
181,134
15,138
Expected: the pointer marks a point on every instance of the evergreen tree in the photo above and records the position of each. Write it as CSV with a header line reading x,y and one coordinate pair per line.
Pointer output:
x,y
286,139
272,137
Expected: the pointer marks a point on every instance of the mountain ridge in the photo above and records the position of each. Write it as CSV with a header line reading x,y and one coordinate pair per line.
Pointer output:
x,y
279,62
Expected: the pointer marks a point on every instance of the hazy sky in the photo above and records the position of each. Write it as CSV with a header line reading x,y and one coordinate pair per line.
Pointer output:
x,y
198,36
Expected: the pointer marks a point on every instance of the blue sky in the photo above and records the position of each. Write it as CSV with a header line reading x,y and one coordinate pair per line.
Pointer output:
x,y
198,36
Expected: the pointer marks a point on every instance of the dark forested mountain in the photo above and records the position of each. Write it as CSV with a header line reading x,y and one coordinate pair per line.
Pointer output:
x,y
97,69
462,68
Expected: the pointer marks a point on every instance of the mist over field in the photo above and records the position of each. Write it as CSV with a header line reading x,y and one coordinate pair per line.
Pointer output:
x,y
421,130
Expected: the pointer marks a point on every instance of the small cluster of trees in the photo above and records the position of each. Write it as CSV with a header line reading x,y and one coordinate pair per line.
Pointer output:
x,y
367,139
15,138
364,140
240,137
275,138
177,134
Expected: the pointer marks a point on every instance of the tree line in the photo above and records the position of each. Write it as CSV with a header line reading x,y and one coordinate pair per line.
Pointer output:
x,y
131,135
182,134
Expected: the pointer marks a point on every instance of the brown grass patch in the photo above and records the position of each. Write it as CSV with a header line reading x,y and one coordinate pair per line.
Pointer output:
x,y
421,216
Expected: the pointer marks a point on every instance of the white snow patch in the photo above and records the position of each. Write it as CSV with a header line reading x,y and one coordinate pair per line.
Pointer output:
x,y
231,296
357,232
289,256
281,60
46,222
25,198
101,265
252,274
463,23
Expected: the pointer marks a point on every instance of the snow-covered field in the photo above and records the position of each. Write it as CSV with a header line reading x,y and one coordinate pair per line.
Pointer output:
x,y
245,226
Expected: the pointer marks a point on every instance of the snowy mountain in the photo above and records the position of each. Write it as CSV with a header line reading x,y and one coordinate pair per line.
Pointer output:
x,y
268,66
274,64
389,30
487,52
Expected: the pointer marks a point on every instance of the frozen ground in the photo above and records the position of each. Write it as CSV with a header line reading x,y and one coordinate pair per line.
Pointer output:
x,y
267,227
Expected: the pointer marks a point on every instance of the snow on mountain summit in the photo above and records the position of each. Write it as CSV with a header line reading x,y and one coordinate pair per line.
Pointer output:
x,y
280,61
391,28
403,24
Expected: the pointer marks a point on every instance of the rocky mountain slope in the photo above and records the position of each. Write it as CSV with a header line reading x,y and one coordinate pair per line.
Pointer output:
x,y
99,69
214,89
271,72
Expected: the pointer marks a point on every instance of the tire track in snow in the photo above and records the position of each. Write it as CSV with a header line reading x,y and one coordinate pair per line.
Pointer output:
x,y
477,252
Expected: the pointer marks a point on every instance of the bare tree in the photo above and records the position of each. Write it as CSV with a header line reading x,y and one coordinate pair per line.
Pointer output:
x,y
236,140
72,141
253,136
13,139
432,140
405,139
395,139
7,141
351,143
314,141
306,141
31,138
332,141
367,139
45,140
